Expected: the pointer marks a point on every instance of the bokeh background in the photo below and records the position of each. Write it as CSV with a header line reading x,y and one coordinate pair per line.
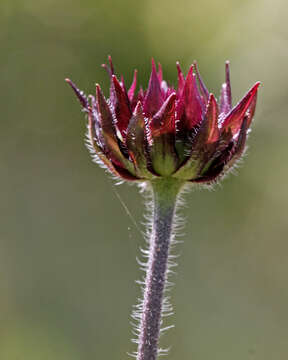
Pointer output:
x,y
68,247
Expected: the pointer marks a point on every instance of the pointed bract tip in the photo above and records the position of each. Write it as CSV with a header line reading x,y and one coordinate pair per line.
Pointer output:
x,y
154,70
171,97
71,83
114,79
153,98
134,81
153,65
257,84
212,101
132,89
203,90
106,67
212,98
195,64
98,89
167,103
117,85
138,109
254,88
80,94
191,72
227,70
110,68
179,69
236,114
111,64
164,120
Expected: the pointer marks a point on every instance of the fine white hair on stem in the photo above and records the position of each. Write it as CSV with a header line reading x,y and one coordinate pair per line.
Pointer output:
x,y
167,308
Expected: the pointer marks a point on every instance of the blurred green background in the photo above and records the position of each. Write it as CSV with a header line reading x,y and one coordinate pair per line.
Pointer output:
x,y
68,247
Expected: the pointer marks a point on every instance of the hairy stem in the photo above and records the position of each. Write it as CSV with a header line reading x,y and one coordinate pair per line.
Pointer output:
x,y
165,193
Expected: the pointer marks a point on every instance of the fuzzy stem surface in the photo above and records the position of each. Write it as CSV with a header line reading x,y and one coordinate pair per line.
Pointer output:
x,y
165,193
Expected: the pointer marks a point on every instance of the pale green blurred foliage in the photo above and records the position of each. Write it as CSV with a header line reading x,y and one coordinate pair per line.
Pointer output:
x,y
68,248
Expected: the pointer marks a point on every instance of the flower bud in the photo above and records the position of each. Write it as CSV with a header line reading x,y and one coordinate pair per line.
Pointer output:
x,y
165,132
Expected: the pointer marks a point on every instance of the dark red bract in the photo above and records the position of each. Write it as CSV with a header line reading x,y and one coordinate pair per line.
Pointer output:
x,y
163,131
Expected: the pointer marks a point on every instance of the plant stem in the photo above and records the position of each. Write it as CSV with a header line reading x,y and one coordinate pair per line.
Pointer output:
x,y
165,193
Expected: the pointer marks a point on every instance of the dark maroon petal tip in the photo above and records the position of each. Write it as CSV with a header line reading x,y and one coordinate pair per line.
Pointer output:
x,y
80,94
226,95
111,64
228,83
136,141
121,106
153,99
203,89
212,120
164,120
235,117
132,89
98,90
114,148
104,112
110,68
190,106
138,109
141,95
116,83
181,79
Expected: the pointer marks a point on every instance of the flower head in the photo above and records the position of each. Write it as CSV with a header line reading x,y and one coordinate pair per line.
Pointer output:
x,y
164,131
